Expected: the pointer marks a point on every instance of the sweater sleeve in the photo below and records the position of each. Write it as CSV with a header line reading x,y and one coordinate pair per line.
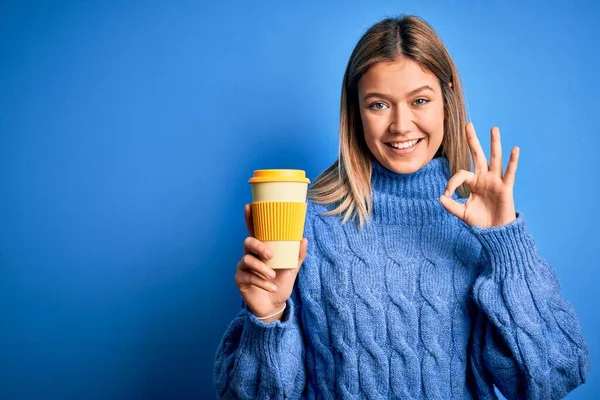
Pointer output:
x,y
257,360
528,340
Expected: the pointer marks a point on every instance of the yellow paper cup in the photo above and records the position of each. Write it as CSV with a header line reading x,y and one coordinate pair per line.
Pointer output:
x,y
279,212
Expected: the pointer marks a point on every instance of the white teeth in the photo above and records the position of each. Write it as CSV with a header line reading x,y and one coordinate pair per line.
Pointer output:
x,y
404,145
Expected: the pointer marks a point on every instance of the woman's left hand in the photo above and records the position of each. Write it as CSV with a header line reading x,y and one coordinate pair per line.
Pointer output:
x,y
491,202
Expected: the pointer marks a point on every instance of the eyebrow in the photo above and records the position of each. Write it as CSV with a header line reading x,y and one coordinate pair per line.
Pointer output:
x,y
412,92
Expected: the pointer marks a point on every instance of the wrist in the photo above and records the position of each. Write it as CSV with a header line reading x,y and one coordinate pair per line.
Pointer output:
x,y
272,319
505,210
505,219
275,315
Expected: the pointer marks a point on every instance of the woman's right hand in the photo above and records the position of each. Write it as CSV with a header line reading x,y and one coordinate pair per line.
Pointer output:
x,y
264,289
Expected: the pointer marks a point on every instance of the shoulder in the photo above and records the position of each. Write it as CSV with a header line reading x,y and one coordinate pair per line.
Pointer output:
x,y
317,218
321,211
324,229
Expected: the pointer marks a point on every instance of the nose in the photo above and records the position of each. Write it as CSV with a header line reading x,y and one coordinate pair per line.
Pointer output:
x,y
402,120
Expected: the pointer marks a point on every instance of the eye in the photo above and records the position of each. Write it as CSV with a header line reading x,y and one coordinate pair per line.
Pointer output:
x,y
420,101
372,105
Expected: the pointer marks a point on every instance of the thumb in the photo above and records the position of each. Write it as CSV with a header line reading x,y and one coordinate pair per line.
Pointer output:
x,y
303,248
249,221
453,207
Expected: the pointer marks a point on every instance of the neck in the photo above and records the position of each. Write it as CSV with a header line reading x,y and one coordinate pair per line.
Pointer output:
x,y
409,198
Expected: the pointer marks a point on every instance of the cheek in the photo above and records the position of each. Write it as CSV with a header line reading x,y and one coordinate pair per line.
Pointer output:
x,y
433,123
371,129
374,127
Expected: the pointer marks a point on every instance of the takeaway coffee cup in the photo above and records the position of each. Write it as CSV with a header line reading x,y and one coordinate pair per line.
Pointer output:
x,y
278,212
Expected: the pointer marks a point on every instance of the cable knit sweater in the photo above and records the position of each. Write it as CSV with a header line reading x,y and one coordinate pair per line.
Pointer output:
x,y
417,305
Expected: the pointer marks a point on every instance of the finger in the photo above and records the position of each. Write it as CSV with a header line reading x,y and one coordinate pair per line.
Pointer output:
x,y
479,159
248,217
252,264
246,278
496,152
458,179
511,168
255,246
453,207
303,248
242,267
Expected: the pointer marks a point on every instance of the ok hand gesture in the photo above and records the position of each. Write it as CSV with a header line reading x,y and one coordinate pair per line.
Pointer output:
x,y
491,201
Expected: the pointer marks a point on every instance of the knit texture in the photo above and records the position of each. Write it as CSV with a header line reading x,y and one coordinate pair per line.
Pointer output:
x,y
417,305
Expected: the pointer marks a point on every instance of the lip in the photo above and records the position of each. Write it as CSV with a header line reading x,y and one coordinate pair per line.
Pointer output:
x,y
403,152
403,141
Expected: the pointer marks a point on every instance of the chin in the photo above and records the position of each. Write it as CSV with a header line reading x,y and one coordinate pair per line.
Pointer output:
x,y
407,166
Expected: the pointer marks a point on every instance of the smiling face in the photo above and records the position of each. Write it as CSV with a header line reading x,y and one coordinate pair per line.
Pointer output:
x,y
402,112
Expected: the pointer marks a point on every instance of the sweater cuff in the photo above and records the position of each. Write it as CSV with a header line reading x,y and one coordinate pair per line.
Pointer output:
x,y
286,318
264,337
509,249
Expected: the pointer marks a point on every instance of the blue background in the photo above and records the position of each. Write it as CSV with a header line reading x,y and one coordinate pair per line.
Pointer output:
x,y
128,132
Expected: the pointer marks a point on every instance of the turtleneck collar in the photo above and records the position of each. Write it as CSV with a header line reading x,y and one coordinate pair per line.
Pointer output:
x,y
428,182
409,198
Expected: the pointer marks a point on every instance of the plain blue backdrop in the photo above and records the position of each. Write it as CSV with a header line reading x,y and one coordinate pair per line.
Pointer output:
x,y
128,132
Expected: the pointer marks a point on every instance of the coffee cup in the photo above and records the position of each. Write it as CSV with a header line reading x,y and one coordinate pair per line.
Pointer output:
x,y
278,213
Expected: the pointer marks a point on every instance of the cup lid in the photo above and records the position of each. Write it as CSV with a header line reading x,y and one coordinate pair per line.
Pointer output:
x,y
279,175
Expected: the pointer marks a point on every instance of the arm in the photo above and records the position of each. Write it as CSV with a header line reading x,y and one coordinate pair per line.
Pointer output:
x,y
258,360
528,340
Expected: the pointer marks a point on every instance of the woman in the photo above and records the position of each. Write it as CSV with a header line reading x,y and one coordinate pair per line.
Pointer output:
x,y
405,289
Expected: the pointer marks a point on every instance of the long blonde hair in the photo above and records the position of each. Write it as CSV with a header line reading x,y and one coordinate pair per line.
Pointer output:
x,y
347,182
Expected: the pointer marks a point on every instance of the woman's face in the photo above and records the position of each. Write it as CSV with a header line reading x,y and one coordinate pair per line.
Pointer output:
x,y
401,103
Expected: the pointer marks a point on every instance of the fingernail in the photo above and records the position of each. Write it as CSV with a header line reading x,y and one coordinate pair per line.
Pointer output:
x,y
446,193
272,274
268,254
273,288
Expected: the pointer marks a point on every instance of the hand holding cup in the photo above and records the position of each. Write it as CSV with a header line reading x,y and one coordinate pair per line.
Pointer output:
x,y
275,248
265,290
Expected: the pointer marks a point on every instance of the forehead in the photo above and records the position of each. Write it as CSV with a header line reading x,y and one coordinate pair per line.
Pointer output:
x,y
399,76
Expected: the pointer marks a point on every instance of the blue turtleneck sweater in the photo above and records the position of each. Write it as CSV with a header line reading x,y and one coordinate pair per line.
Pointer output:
x,y
417,305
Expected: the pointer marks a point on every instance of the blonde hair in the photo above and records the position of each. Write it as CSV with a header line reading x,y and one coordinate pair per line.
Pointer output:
x,y
347,182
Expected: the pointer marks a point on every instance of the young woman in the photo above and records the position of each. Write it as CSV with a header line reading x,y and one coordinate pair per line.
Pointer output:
x,y
417,278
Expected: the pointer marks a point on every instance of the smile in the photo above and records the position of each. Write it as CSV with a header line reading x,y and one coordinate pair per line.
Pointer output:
x,y
404,147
